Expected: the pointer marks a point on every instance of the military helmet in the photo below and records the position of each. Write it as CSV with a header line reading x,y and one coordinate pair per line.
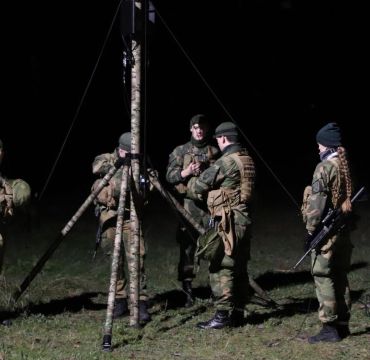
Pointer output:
x,y
124,141
226,128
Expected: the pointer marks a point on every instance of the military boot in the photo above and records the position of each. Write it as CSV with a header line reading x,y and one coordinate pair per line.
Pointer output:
x,y
6,322
120,308
186,286
328,333
343,331
144,316
219,321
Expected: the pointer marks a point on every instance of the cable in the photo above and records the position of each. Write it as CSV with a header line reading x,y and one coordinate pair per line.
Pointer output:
x,y
225,110
80,104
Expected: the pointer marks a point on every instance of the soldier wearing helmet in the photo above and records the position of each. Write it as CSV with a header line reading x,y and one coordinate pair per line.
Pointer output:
x,y
106,208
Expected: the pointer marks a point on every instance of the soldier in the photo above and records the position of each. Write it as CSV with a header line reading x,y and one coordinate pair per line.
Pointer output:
x,y
187,161
106,209
15,195
331,189
228,186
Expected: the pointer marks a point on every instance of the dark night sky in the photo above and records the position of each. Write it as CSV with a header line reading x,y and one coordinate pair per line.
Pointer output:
x,y
281,69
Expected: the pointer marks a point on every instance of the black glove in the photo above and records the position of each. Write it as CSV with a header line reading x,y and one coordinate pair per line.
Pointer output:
x,y
307,241
122,161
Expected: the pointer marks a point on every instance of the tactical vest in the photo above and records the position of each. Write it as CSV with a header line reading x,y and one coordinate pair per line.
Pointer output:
x,y
14,193
229,198
192,156
247,175
221,202
6,199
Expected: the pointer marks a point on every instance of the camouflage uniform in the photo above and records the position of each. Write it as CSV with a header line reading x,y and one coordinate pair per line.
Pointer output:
x,y
6,209
331,189
330,265
229,193
106,209
179,159
14,194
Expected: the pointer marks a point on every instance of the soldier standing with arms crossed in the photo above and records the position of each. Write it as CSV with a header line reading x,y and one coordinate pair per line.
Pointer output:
x,y
185,162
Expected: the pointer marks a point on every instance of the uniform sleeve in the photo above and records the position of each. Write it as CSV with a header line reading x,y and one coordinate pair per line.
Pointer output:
x,y
102,164
174,167
317,201
208,180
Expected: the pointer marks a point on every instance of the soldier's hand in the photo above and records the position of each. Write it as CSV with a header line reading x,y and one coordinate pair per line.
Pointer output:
x,y
122,161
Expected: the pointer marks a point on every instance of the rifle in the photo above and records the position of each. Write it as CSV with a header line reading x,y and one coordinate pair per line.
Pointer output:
x,y
333,222
97,240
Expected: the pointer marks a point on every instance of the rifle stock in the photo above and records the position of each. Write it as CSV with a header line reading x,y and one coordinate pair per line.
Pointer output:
x,y
333,222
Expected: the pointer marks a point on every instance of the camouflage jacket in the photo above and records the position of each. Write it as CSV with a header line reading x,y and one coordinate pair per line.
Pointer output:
x,y
179,160
225,175
102,163
6,198
101,166
182,156
328,192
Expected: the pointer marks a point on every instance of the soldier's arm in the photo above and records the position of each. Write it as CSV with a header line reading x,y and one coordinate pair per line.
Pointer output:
x,y
174,168
209,179
317,201
102,164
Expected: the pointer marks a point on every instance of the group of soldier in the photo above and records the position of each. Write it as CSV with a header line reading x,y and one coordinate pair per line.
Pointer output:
x,y
215,186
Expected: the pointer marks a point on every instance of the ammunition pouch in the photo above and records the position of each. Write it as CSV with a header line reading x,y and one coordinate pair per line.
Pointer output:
x,y
106,195
181,189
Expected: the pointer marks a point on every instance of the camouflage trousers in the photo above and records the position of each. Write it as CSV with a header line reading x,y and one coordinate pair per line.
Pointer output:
x,y
187,240
107,243
228,276
329,270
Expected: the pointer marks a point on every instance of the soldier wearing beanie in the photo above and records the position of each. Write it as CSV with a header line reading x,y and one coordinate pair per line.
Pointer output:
x,y
331,188
106,208
329,136
228,186
188,161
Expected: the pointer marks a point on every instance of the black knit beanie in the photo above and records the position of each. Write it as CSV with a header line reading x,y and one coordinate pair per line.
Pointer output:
x,y
199,119
329,135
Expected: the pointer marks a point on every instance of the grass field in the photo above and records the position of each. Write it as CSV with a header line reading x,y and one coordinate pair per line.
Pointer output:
x,y
62,313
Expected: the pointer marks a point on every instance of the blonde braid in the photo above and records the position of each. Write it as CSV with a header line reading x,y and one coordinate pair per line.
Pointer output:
x,y
344,170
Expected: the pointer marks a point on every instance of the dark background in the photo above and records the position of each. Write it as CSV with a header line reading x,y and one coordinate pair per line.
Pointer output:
x,y
279,69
